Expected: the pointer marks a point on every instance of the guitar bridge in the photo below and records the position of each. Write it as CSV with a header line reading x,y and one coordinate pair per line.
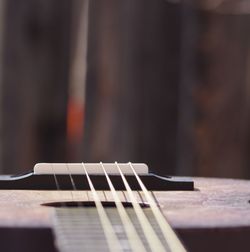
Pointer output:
x,y
50,176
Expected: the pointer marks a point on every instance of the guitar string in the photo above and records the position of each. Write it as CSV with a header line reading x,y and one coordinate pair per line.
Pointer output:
x,y
72,183
141,198
79,204
105,196
133,237
124,195
62,203
55,178
169,235
111,237
57,183
150,234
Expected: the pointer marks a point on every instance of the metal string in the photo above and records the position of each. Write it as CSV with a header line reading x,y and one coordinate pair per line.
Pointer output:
x,y
79,204
72,182
124,195
55,178
57,184
71,178
150,234
168,233
111,237
141,198
133,237
105,196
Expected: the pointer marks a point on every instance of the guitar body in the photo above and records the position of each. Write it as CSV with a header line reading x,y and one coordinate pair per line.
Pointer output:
x,y
213,217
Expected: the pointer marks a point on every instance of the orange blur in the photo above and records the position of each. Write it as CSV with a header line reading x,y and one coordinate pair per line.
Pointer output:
x,y
75,118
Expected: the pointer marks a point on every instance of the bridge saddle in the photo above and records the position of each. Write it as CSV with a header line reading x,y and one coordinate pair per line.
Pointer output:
x,y
92,168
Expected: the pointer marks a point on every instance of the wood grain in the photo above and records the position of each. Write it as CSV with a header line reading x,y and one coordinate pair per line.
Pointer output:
x,y
215,203
217,213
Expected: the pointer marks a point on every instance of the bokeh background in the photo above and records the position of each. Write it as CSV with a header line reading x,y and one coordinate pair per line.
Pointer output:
x,y
161,82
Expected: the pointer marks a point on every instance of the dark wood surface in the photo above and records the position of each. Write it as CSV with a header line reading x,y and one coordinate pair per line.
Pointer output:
x,y
214,217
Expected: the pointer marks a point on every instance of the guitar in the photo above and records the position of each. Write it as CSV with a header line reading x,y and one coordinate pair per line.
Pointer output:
x,y
120,207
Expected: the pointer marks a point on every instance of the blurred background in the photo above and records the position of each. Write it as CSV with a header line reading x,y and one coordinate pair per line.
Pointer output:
x,y
161,82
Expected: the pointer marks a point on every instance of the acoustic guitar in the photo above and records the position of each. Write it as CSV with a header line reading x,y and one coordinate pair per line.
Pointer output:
x,y
121,207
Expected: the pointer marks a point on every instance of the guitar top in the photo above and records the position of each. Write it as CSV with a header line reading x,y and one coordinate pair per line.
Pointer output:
x,y
215,216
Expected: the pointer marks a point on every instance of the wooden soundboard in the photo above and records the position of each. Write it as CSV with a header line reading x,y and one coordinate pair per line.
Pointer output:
x,y
215,216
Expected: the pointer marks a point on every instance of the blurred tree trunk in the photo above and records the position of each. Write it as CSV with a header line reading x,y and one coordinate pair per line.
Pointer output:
x,y
35,76
167,84
161,74
222,95
2,17
132,85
